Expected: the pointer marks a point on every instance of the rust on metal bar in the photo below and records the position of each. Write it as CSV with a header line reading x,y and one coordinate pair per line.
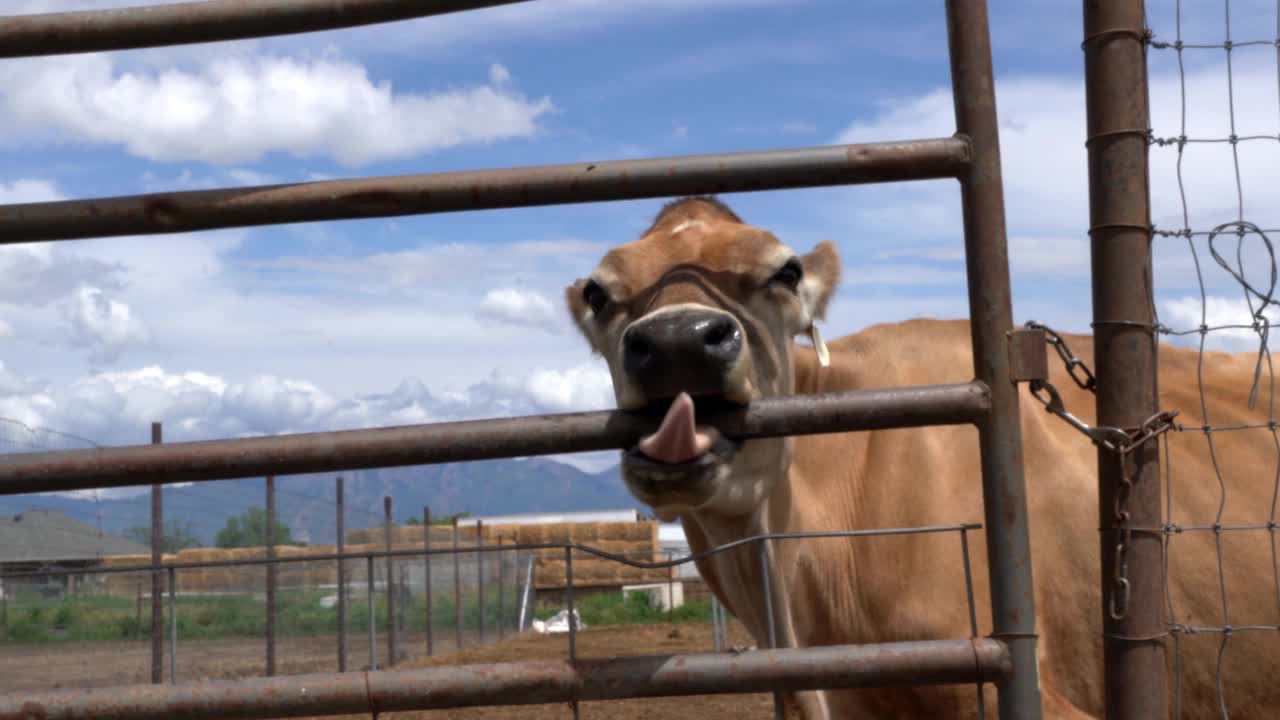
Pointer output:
x,y
479,439
201,22
933,662
1028,355
1132,599
484,189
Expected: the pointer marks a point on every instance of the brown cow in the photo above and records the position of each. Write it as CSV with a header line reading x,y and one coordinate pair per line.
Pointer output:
x,y
706,306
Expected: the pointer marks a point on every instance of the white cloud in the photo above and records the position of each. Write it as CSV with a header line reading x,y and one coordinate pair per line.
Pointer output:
x,y
113,408
29,191
103,324
237,108
1232,315
517,306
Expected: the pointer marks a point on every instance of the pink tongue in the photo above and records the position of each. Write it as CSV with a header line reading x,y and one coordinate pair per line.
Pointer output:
x,y
677,439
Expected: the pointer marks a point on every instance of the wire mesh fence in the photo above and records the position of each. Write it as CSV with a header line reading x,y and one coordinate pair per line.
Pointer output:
x,y
1214,74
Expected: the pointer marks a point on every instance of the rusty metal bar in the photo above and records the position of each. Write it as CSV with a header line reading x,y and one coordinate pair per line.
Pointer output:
x,y
477,439
201,22
342,580
1004,489
173,626
157,551
1134,651
936,662
373,615
270,541
484,189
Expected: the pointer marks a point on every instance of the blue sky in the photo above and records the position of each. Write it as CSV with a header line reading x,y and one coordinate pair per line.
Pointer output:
x,y
357,323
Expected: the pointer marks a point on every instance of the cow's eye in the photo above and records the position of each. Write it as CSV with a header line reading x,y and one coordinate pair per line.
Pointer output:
x,y
595,296
788,275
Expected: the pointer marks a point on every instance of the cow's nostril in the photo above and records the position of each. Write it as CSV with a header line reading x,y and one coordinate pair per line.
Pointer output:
x,y
638,348
718,333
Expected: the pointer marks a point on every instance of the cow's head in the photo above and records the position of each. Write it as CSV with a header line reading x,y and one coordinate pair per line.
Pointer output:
x,y
699,312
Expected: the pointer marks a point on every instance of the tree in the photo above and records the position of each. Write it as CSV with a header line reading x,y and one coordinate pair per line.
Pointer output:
x,y
248,529
172,540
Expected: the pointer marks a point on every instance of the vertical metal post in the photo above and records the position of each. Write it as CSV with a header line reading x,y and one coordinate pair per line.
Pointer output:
x,y
137,629
480,576
991,316
568,595
779,711
157,582
270,540
373,617
502,578
426,573
1134,670
391,585
173,627
342,583
671,589
457,589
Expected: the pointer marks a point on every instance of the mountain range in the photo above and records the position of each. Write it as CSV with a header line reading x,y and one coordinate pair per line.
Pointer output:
x,y
306,503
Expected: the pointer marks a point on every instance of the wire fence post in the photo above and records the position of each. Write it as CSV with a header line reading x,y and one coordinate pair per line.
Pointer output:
x,y
342,579
502,579
1129,492
671,589
480,578
779,711
391,585
157,581
426,573
270,540
173,626
457,589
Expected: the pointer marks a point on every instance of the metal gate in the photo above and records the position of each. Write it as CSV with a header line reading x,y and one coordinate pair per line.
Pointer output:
x,y
990,402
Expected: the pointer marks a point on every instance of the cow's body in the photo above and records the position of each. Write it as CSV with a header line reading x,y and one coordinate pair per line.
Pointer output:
x,y
893,588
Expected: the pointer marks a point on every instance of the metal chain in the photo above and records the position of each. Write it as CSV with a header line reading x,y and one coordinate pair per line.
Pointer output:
x,y
1118,441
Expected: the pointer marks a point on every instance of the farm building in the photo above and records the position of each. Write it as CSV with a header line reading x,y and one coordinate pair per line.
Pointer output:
x,y
46,540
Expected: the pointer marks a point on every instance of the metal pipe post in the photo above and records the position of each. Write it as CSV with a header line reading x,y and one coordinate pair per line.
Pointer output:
x,y
671,590
373,616
342,581
173,626
991,316
392,640
157,581
568,591
457,589
426,573
480,577
270,540
1129,488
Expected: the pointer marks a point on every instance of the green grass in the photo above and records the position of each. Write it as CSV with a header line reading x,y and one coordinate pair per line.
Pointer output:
x,y
88,618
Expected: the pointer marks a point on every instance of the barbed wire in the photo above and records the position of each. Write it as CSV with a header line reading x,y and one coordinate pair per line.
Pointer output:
x,y
1259,300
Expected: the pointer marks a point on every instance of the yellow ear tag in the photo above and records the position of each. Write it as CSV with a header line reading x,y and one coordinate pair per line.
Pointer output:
x,y
824,357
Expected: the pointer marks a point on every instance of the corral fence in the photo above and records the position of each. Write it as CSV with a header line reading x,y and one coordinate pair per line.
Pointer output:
x,y
1004,357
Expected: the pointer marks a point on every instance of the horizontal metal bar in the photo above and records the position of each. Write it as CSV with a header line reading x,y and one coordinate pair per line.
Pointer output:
x,y
936,662
477,439
484,189
420,552
200,22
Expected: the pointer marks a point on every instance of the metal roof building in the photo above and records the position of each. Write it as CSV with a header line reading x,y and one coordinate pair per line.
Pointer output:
x,y
45,537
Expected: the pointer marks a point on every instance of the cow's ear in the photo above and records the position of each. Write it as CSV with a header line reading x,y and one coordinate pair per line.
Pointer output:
x,y
821,277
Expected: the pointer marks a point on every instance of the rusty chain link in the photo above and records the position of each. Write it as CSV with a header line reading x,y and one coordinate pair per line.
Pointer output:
x,y
1118,441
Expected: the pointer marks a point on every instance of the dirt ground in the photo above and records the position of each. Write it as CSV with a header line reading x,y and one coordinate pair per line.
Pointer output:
x,y
49,667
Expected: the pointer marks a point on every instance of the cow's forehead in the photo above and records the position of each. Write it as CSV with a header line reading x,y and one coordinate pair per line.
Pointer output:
x,y
714,246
